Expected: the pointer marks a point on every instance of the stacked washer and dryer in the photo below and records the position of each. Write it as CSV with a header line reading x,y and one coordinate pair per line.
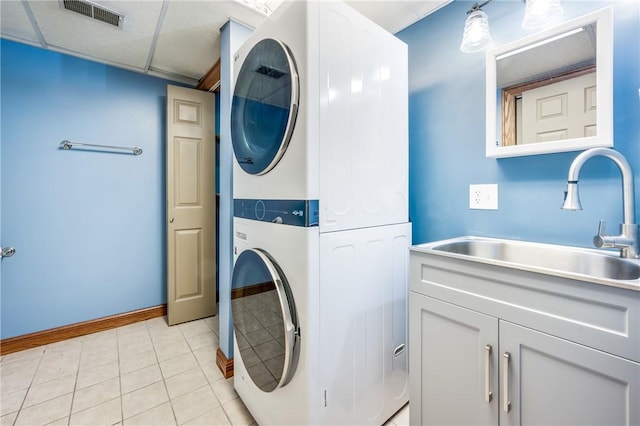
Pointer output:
x,y
321,232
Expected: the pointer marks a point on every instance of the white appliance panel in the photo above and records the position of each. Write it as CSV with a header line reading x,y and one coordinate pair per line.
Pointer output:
x,y
363,124
363,308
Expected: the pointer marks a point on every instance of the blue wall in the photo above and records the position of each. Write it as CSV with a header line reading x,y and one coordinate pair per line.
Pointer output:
x,y
233,34
447,136
89,228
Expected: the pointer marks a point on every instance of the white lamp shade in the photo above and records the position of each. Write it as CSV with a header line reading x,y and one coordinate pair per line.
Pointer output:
x,y
476,35
540,13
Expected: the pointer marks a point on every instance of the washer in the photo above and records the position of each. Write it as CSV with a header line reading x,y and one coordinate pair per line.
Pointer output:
x,y
273,272
319,113
319,288
320,322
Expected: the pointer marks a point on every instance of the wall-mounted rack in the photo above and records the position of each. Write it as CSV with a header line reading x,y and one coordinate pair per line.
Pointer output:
x,y
68,145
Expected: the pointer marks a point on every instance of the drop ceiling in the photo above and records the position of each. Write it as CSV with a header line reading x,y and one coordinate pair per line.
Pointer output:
x,y
174,39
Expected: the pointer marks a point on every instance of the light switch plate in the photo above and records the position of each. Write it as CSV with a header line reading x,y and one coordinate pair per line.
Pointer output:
x,y
483,197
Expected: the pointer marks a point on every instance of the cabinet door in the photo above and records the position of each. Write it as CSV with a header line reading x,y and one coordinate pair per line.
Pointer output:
x,y
552,381
451,351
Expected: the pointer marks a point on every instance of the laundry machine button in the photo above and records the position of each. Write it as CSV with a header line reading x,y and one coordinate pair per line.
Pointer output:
x,y
260,209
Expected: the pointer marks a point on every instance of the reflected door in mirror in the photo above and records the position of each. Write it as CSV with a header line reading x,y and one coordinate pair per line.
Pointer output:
x,y
552,91
558,109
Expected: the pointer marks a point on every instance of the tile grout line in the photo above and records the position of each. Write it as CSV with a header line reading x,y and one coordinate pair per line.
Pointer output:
x,y
209,384
84,347
120,377
175,418
201,371
30,384
75,383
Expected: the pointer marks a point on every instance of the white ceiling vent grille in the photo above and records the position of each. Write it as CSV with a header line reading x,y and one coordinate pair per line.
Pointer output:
x,y
94,11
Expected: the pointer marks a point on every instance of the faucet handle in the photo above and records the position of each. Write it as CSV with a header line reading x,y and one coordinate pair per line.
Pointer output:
x,y
602,240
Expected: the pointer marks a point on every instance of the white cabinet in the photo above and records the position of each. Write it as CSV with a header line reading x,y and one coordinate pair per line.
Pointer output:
x,y
484,361
447,364
552,381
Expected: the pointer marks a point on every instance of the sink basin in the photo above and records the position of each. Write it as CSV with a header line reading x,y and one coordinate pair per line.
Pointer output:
x,y
558,260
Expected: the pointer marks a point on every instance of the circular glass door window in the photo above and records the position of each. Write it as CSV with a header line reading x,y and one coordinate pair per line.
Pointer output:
x,y
265,320
264,106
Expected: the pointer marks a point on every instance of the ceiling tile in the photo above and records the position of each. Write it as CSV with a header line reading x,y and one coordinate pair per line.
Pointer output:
x,y
422,8
128,46
15,23
395,15
189,42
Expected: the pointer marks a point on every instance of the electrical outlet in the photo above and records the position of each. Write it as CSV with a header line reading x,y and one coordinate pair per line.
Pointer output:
x,y
483,197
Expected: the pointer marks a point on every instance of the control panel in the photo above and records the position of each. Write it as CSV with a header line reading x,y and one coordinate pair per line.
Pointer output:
x,y
287,212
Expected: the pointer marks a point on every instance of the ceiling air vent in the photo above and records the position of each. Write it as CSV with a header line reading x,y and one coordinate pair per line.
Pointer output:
x,y
94,11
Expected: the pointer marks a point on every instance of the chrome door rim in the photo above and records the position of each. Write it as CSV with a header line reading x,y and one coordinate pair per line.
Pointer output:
x,y
293,107
289,317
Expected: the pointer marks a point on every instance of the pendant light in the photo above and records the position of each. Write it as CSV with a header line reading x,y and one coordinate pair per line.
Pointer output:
x,y
476,36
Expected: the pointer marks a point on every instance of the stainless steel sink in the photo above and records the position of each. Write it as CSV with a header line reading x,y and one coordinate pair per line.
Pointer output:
x,y
549,258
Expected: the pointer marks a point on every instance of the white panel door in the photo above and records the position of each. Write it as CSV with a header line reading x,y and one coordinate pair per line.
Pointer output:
x,y
564,110
191,208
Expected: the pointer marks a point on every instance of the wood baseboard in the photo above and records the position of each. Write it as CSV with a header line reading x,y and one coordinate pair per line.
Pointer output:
x,y
45,337
224,364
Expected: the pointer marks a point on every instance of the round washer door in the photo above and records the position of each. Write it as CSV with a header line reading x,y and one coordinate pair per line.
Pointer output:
x,y
264,106
265,319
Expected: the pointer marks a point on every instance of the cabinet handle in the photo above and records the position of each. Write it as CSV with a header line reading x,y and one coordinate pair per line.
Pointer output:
x,y
488,395
506,404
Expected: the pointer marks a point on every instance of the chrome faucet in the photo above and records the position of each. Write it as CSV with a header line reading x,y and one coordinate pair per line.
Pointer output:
x,y
628,241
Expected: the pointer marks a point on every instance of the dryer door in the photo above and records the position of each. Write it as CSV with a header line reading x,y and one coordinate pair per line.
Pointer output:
x,y
264,106
265,320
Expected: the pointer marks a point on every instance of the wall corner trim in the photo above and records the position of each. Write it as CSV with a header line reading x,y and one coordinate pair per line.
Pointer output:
x,y
224,364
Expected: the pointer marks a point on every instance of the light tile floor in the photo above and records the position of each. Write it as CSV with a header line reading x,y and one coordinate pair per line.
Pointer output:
x,y
141,374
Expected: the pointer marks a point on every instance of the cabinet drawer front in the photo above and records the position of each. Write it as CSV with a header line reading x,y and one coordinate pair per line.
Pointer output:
x,y
556,382
595,315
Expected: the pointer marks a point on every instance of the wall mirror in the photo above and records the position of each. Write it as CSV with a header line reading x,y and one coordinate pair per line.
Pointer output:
x,y
552,91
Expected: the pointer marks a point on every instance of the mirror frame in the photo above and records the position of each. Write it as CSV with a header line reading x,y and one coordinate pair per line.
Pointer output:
x,y
604,81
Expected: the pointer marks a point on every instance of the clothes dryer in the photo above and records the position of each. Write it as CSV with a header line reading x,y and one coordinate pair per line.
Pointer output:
x,y
320,323
319,287
319,113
